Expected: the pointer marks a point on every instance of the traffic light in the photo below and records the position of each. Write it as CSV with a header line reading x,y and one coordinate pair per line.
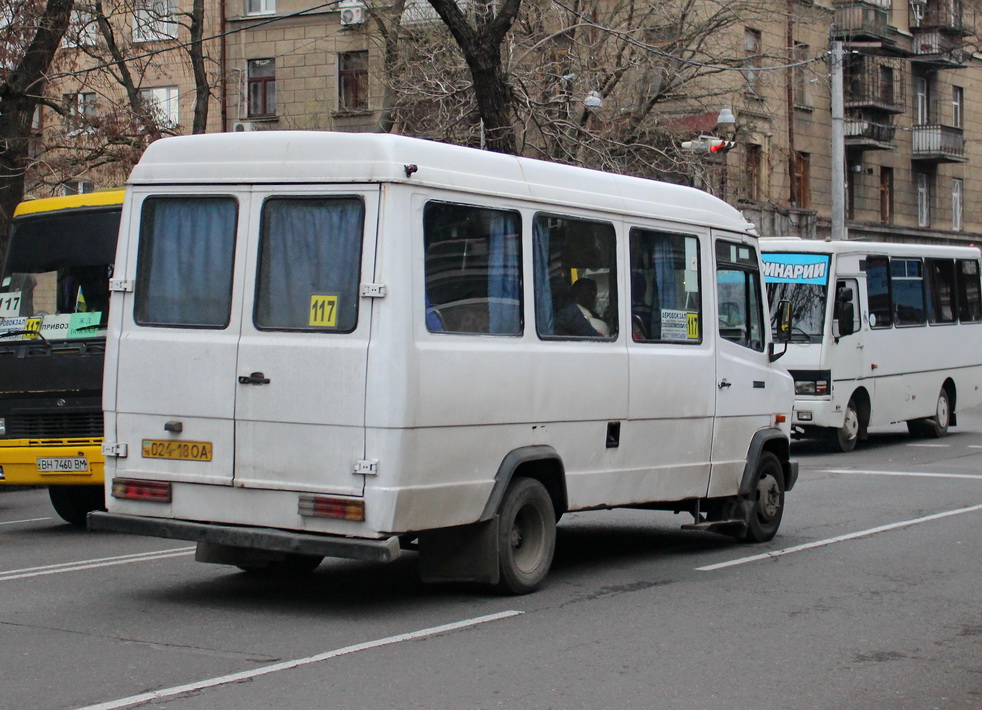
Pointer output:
x,y
709,144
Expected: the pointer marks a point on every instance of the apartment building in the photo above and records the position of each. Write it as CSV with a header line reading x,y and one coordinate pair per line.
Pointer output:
x,y
910,93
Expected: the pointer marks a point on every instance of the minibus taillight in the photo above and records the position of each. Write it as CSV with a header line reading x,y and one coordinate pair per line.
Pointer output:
x,y
135,489
315,506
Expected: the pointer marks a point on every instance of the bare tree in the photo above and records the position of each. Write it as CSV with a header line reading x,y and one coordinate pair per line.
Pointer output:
x,y
480,39
30,33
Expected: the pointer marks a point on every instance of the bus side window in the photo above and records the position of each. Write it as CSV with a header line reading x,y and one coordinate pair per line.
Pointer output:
x,y
665,303
878,291
473,269
575,278
741,316
969,293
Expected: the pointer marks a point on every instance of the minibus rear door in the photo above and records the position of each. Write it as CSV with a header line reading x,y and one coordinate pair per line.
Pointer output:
x,y
302,359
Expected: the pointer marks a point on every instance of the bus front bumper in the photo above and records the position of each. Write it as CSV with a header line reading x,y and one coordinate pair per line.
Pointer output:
x,y
47,462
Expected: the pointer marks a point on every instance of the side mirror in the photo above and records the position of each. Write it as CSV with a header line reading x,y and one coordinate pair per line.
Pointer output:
x,y
844,323
782,329
783,323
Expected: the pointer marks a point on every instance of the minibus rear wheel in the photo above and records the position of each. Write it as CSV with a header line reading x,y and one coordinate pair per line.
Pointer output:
x,y
526,536
767,500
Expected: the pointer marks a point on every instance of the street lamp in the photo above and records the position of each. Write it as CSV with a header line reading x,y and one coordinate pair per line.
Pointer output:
x,y
726,122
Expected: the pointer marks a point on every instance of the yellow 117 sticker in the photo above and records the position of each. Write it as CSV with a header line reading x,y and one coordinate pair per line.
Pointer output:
x,y
323,311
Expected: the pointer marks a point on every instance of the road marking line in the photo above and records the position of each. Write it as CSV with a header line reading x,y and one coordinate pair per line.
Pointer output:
x,y
840,538
297,662
913,474
93,564
26,520
932,446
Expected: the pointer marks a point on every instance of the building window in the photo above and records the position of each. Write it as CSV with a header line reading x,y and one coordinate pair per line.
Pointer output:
x,y
752,49
923,200
802,87
83,31
957,102
801,165
957,186
353,81
153,20
260,7
80,110
161,104
886,89
262,87
753,172
922,109
76,187
886,195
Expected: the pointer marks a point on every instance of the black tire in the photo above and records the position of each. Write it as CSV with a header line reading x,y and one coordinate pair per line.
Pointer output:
x,y
937,426
845,438
526,536
767,500
74,503
290,566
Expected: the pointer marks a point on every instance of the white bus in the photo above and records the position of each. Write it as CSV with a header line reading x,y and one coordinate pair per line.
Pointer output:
x,y
883,333
350,344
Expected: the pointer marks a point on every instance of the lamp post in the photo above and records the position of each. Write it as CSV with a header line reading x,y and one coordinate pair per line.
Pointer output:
x,y
726,127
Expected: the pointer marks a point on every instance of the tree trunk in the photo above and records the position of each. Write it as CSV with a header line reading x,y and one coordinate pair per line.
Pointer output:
x,y
19,97
196,52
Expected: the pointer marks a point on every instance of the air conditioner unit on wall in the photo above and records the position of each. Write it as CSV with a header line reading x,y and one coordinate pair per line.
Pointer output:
x,y
242,126
352,13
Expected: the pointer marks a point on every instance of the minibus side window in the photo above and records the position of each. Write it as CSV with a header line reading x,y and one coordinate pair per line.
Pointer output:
x,y
907,288
741,316
575,278
878,291
969,294
665,297
941,290
184,267
309,264
473,269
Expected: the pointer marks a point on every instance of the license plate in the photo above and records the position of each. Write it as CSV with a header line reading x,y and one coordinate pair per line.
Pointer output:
x,y
63,464
178,450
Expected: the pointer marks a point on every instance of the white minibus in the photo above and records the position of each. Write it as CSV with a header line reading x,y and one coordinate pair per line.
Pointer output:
x,y
352,345
883,333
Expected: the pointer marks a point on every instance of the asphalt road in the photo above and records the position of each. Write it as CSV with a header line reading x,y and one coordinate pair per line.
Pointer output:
x,y
870,597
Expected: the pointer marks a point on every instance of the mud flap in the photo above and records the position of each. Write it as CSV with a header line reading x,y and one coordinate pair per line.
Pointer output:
x,y
467,553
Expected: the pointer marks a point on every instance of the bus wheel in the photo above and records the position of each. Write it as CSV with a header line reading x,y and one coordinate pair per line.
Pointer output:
x,y
74,503
937,426
526,536
844,439
768,500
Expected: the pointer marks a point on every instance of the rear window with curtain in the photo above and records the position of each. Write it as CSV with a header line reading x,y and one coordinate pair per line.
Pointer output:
x,y
184,264
309,264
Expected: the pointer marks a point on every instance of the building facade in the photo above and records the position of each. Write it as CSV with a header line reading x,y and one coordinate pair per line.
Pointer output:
x,y
910,87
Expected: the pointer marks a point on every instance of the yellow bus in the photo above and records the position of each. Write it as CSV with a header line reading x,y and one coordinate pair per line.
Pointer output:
x,y
54,304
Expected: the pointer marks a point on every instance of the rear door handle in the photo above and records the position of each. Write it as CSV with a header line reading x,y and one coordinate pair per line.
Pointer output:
x,y
256,378
723,384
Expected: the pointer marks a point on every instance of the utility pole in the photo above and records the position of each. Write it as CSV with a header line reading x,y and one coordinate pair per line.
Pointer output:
x,y
838,146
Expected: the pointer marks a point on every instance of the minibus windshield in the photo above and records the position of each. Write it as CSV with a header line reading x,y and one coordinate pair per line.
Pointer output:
x,y
56,277
801,279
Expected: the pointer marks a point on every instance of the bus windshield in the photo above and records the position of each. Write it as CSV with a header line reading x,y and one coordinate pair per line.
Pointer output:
x,y
802,279
56,277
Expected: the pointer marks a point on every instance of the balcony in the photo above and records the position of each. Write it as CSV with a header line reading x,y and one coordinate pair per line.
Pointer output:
x,y
938,144
869,135
943,15
938,49
874,82
862,21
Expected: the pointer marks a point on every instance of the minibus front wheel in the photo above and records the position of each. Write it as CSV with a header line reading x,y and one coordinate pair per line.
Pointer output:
x,y
767,500
526,536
